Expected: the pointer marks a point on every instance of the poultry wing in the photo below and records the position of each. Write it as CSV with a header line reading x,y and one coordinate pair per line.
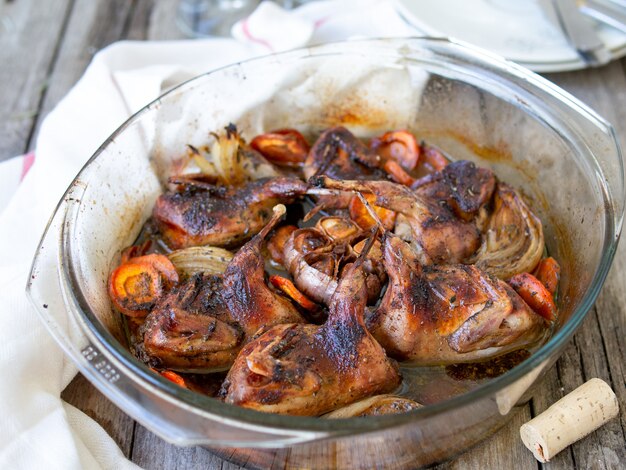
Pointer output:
x,y
202,324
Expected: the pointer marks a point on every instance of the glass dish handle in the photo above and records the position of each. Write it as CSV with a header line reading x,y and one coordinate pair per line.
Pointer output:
x,y
143,403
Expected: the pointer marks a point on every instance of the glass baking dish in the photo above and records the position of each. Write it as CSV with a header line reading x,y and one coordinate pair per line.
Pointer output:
x,y
471,104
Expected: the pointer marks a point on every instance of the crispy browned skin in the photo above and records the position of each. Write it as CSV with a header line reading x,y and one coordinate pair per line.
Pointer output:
x,y
464,187
440,236
191,328
250,300
203,324
339,154
448,313
220,216
513,240
310,370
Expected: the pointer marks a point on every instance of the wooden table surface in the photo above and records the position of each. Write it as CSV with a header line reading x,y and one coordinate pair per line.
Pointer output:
x,y
45,47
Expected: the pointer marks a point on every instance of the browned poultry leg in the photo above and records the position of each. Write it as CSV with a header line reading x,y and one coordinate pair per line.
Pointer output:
x,y
203,214
250,300
338,153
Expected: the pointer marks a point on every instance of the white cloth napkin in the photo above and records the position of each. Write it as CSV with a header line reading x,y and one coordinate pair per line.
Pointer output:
x,y
38,430
271,29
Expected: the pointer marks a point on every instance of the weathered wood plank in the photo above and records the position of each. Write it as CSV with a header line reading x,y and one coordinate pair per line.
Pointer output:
x,y
139,20
88,399
154,20
29,33
151,452
612,325
92,26
607,450
583,359
503,450
572,374
162,24
604,344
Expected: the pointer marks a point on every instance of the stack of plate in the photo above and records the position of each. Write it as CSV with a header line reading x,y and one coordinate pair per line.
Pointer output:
x,y
516,29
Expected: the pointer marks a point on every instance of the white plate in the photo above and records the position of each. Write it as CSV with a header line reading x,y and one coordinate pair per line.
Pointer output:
x,y
515,29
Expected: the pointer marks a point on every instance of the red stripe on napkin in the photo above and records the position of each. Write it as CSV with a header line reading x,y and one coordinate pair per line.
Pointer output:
x,y
27,163
251,37
320,22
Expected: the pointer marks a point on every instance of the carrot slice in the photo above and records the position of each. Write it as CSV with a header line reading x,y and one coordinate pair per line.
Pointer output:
x,y
136,250
399,146
292,291
360,214
172,377
276,244
548,272
136,284
432,158
283,146
397,173
535,294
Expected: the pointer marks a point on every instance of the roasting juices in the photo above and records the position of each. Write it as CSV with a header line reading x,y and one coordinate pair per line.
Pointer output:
x,y
369,277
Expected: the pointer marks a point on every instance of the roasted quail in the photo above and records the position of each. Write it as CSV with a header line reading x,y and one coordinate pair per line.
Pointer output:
x,y
309,369
441,314
203,323
339,154
462,186
438,269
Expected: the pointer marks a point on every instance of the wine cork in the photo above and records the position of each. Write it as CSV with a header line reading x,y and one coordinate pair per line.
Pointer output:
x,y
570,419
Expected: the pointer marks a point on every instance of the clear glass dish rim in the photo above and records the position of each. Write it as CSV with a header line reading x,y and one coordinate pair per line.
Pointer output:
x,y
203,404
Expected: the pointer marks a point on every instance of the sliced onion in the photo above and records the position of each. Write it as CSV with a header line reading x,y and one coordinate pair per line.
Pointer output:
x,y
224,155
230,160
201,158
205,166
374,406
513,242
201,259
338,228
